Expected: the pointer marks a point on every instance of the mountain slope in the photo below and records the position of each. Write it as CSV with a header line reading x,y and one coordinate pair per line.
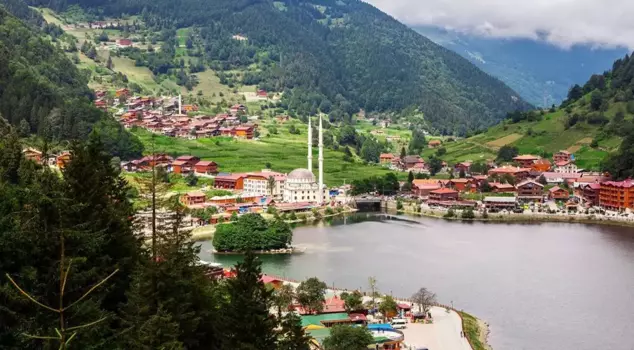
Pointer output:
x,y
335,56
43,93
591,123
539,72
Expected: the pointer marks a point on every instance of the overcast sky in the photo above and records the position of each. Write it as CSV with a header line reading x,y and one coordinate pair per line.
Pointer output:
x,y
561,22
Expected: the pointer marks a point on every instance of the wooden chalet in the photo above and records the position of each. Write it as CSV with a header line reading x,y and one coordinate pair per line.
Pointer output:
x,y
444,194
558,193
193,198
206,167
230,181
526,160
32,154
245,132
530,191
62,159
184,164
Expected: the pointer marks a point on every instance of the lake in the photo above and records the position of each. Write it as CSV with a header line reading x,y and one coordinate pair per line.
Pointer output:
x,y
551,286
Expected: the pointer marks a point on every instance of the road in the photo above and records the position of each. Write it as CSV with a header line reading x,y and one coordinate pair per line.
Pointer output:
x,y
443,334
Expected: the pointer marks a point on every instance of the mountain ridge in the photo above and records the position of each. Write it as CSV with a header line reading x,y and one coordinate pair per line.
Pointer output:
x,y
330,56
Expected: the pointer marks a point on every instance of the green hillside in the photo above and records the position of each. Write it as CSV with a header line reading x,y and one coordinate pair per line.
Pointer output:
x,y
42,92
325,55
591,124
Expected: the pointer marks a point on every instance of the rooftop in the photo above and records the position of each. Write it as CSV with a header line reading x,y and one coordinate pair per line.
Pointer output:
x,y
526,157
499,199
444,191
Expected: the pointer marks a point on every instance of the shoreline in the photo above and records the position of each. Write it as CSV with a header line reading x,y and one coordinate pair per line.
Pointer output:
x,y
476,330
523,218
206,233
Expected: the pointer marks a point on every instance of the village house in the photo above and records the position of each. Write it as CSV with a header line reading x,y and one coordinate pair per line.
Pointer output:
x,y
245,132
262,93
565,167
444,194
122,93
497,187
500,203
530,191
410,161
193,198
237,109
434,143
190,108
121,43
464,167
590,193
617,195
32,154
541,165
554,178
558,194
184,164
230,181
462,185
526,160
227,131
63,159
206,167
101,104
423,187
562,156
386,158
518,174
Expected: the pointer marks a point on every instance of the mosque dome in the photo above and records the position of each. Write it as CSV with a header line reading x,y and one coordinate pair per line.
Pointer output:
x,y
303,175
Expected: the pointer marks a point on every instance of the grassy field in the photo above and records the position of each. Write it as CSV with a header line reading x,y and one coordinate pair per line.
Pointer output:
x,y
543,137
473,332
284,152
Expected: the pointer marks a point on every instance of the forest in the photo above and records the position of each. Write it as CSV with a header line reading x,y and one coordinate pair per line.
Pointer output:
x,y
44,94
330,56
77,275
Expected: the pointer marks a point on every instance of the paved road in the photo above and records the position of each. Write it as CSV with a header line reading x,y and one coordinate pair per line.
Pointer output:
x,y
443,334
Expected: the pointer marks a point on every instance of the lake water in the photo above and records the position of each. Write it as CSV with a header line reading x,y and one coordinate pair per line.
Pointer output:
x,y
551,286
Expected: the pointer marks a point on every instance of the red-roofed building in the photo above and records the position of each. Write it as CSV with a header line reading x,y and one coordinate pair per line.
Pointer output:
x,y
423,188
334,305
617,195
444,194
124,42
224,131
184,164
462,185
230,182
245,132
566,166
518,174
501,188
274,281
237,108
557,194
262,93
386,158
32,154
464,166
193,198
526,160
63,159
122,92
206,167
541,165
562,156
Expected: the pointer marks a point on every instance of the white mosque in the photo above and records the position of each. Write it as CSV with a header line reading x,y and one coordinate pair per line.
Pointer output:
x,y
300,185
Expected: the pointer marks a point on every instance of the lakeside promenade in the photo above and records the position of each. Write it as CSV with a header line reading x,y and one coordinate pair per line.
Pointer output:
x,y
447,332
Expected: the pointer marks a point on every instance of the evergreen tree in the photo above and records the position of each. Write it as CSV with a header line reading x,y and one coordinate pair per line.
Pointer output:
x,y
109,64
248,323
403,152
410,177
292,336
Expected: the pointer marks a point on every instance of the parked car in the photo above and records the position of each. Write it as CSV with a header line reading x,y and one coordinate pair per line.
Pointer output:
x,y
399,323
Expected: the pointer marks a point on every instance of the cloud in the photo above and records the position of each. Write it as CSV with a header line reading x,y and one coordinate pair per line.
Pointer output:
x,y
605,23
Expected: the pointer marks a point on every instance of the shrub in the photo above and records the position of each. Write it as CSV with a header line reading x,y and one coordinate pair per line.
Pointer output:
x,y
468,214
450,214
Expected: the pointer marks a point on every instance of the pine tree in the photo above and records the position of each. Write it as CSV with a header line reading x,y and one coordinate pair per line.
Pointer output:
x,y
248,322
410,177
403,152
292,336
109,64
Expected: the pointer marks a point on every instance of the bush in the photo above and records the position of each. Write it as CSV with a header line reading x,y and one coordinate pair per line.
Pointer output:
x,y
450,214
399,205
329,211
468,214
594,143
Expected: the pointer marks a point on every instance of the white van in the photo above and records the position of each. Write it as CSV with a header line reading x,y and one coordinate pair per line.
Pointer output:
x,y
399,323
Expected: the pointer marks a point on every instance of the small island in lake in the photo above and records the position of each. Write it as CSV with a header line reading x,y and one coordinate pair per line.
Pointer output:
x,y
253,232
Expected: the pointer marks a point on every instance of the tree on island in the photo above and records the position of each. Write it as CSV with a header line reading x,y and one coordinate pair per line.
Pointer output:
x,y
424,299
347,337
352,301
311,294
252,232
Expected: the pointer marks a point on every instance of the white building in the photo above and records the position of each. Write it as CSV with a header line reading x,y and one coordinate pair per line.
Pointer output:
x,y
257,184
300,185
566,167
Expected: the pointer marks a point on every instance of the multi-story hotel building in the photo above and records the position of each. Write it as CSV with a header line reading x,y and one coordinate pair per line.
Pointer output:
x,y
617,195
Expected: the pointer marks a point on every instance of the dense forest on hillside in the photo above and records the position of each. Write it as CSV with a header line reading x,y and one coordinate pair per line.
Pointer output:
x,y
76,275
43,93
326,55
